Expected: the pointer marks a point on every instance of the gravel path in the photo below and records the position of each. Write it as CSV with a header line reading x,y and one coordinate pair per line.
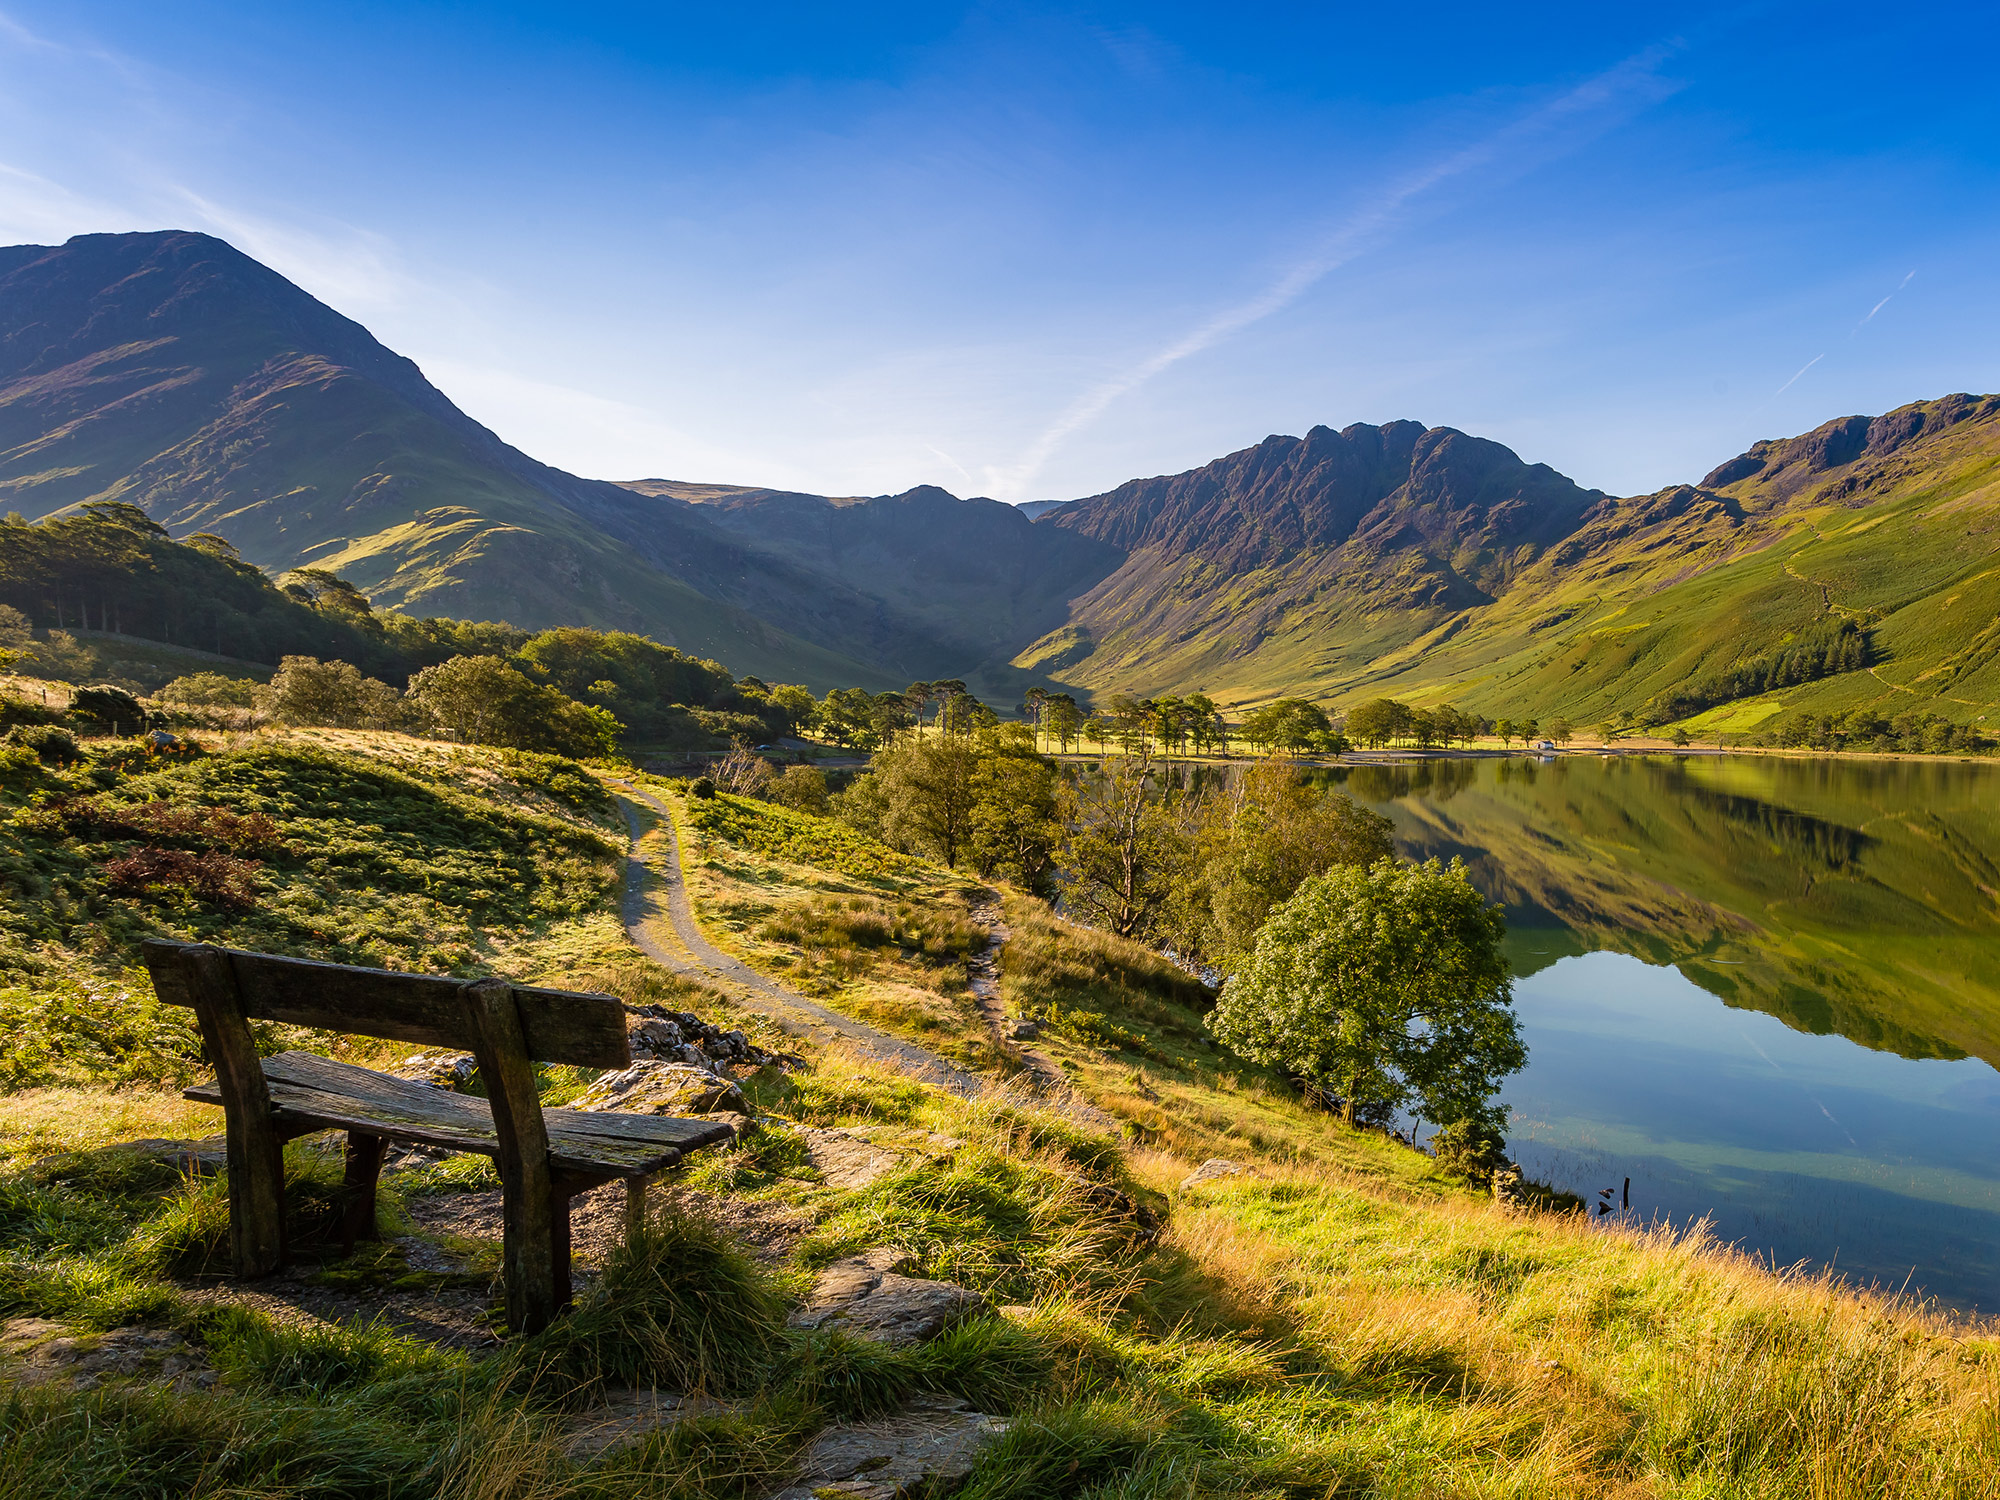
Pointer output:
x,y
648,919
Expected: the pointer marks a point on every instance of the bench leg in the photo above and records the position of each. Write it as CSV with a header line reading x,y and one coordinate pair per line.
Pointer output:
x,y
364,1170
635,1206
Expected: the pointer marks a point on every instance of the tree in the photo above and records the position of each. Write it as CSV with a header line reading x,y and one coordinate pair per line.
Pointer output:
x,y
927,794
1015,822
1118,849
1385,985
793,704
210,690
1378,721
1245,850
482,700
15,634
1064,718
1289,724
801,788
1507,731
1560,731
1682,739
333,693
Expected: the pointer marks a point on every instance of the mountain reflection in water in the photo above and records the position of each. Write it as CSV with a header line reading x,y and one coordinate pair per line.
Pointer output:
x,y
1855,904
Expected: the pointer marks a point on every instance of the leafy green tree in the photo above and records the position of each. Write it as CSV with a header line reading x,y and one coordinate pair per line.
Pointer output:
x,y
1378,722
210,690
483,700
1561,731
795,704
1065,720
331,693
1119,850
801,788
1016,814
927,795
1244,851
1386,985
1290,724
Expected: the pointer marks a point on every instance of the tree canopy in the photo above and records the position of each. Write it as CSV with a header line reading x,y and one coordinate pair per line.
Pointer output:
x,y
1386,986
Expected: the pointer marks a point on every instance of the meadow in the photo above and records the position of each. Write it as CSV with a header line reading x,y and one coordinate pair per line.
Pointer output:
x,y
1337,1316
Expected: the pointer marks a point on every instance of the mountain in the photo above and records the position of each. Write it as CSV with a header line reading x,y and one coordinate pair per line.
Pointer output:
x,y
1853,565
174,372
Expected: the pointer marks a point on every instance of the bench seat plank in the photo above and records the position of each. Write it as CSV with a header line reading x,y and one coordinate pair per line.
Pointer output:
x,y
309,1089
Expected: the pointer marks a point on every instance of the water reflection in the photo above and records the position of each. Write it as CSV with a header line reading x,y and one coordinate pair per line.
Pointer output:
x,y
1838,1105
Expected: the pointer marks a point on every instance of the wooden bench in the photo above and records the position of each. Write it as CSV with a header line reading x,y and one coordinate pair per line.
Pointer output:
x,y
545,1156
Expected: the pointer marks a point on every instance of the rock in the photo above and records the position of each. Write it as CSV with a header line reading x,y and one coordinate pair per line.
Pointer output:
x,y
653,1087
928,1448
847,1160
1209,1171
443,1070
869,1296
1023,1031
34,1351
857,1156
208,1157
657,1038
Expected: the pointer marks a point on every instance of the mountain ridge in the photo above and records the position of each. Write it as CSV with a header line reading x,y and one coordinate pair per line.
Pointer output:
x,y
170,370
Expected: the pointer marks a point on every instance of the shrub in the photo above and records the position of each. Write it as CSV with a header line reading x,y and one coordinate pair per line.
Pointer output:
x,y
111,710
210,690
53,745
210,876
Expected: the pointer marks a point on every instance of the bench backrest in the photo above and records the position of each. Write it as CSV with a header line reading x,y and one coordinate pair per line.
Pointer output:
x,y
557,1026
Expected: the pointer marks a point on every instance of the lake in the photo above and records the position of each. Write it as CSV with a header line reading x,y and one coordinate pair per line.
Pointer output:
x,y
1765,990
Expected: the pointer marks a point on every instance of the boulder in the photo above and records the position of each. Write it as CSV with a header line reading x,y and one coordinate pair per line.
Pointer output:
x,y
1215,1167
868,1296
928,1448
208,1157
855,1157
443,1070
654,1087
1023,1030
34,1351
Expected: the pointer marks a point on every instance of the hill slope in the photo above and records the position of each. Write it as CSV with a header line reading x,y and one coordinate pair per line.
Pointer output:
x,y
1435,566
171,371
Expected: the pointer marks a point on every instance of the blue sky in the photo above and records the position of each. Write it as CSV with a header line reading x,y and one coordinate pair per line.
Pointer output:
x,y
1033,251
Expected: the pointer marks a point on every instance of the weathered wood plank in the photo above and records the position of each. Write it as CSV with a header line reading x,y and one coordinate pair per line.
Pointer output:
x,y
527,1189
256,1151
364,1171
305,1087
558,1026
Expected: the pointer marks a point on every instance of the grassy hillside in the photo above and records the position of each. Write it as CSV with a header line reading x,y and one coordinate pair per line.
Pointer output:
x,y
1336,1317
1644,598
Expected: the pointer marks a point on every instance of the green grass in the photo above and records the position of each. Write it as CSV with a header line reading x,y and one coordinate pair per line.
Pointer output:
x,y
1340,1319
798,838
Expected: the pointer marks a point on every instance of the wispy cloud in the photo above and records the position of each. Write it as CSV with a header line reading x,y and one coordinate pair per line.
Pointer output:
x,y
1866,318
1794,380
1888,299
1634,80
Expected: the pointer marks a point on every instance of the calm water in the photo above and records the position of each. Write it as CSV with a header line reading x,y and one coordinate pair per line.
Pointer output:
x,y
1766,991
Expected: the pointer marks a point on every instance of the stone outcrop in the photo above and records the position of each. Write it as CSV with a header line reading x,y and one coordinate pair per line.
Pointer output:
x,y
443,1070
34,1351
928,1448
1213,1169
869,1296
856,1156
653,1087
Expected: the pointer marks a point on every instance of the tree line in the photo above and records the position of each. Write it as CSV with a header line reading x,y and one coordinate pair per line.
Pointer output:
x,y
1376,982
